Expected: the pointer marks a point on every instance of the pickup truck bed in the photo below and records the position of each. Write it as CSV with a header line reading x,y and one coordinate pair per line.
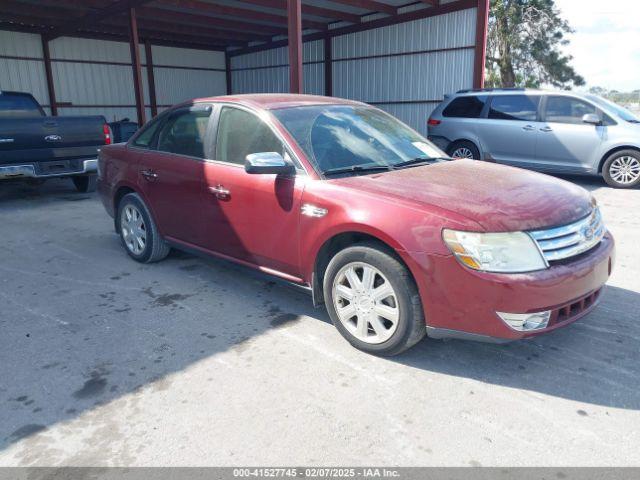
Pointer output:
x,y
33,145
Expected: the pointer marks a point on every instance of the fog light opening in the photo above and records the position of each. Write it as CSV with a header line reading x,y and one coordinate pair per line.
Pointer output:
x,y
525,322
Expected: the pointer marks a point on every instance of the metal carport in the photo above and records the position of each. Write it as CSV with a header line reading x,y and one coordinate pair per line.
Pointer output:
x,y
401,57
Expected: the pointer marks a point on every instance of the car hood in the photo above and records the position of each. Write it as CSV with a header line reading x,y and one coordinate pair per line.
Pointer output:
x,y
497,197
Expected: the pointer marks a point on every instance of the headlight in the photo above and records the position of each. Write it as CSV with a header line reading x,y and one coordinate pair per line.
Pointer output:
x,y
495,252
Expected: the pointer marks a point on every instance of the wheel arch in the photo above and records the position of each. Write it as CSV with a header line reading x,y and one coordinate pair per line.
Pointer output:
x,y
614,150
338,242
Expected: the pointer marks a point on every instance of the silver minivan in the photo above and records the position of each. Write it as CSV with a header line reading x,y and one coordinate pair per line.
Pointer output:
x,y
555,132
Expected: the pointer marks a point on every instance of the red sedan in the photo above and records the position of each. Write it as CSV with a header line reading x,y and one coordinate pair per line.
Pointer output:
x,y
396,240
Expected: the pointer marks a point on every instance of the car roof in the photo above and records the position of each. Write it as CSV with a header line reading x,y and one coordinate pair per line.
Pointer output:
x,y
516,91
274,101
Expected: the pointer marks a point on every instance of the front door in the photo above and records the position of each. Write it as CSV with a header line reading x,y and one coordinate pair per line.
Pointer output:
x,y
252,218
510,131
565,142
172,174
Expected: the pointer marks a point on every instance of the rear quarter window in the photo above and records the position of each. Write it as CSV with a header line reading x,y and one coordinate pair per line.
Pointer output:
x,y
465,107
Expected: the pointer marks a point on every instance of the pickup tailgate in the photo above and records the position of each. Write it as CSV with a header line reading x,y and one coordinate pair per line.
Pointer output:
x,y
44,139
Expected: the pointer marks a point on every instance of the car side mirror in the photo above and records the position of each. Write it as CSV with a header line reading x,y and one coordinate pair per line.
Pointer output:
x,y
268,163
592,119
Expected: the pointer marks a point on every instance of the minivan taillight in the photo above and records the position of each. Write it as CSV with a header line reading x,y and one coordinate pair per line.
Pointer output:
x,y
107,134
433,122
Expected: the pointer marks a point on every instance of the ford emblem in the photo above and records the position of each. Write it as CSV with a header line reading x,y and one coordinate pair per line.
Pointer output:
x,y
53,138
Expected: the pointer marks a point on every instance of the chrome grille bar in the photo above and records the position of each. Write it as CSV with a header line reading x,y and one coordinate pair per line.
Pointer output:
x,y
570,240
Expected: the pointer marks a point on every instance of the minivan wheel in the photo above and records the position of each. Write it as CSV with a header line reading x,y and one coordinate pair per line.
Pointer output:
x,y
138,231
463,149
373,300
86,183
622,169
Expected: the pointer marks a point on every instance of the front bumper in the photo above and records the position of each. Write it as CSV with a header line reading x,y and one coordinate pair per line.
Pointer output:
x,y
50,169
460,302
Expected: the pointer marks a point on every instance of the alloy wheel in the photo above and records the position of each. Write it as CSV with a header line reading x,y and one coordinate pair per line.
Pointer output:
x,y
462,152
366,303
625,170
134,232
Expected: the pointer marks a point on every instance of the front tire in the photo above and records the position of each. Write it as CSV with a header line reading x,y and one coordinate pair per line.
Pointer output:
x,y
373,300
138,232
622,169
85,184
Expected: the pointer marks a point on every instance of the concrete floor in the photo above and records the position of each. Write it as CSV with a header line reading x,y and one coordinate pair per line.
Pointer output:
x,y
194,362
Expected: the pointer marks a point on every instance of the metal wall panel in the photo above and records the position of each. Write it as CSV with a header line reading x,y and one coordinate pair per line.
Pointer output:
x,y
24,76
183,57
111,114
20,44
69,48
177,85
93,84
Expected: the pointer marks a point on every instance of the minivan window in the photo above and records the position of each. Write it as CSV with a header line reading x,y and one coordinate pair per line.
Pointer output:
x,y
465,107
514,107
241,133
622,112
567,110
184,133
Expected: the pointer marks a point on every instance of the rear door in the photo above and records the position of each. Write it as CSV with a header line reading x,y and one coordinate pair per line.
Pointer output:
x,y
509,133
171,172
565,142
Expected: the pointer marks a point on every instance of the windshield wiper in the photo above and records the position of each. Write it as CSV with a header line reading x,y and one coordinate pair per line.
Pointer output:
x,y
357,168
419,161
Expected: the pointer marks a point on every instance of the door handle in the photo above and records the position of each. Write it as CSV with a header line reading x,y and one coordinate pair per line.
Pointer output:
x,y
546,129
149,174
528,128
220,192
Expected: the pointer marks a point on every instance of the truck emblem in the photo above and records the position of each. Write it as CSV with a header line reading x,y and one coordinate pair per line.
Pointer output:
x,y
53,138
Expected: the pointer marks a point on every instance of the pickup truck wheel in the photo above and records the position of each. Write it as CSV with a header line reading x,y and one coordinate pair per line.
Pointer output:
x,y
85,184
373,300
622,169
138,231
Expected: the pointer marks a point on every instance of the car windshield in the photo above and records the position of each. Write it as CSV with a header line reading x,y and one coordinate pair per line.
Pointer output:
x,y
622,112
340,139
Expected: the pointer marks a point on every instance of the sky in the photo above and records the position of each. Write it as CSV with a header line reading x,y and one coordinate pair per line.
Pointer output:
x,y
606,42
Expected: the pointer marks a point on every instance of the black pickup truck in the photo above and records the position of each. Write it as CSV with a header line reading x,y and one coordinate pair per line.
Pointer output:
x,y
35,147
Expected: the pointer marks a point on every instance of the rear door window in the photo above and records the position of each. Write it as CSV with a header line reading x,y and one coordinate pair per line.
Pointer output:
x,y
567,110
514,107
465,107
184,132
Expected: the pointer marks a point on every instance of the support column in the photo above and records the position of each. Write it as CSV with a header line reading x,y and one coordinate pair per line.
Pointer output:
x,y
294,15
227,70
46,55
328,66
482,25
134,45
151,78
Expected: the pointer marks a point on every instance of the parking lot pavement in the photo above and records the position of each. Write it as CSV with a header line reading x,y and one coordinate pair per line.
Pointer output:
x,y
195,362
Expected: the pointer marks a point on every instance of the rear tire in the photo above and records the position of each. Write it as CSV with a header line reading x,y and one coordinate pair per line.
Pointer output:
x,y
622,169
463,149
85,184
138,232
384,304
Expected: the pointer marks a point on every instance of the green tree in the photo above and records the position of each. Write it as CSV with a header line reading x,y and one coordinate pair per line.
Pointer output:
x,y
523,45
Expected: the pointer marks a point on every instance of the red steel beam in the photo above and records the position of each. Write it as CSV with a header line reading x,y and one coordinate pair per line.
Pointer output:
x,y
221,23
134,45
95,17
308,10
482,22
370,5
328,66
151,79
46,56
244,13
294,15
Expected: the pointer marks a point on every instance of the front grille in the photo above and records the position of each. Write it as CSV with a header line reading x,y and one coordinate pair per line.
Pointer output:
x,y
570,240
574,309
